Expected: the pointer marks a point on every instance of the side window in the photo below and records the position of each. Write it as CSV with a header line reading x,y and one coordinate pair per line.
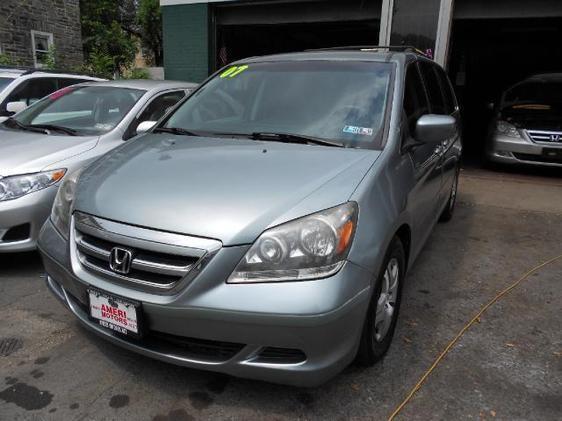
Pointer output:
x,y
433,88
446,88
415,99
155,110
160,105
32,90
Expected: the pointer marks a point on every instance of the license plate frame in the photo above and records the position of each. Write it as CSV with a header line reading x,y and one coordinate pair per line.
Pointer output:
x,y
116,303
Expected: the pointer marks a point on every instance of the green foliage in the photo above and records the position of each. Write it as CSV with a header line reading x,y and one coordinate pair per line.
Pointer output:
x,y
149,21
136,73
6,60
50,59
109,46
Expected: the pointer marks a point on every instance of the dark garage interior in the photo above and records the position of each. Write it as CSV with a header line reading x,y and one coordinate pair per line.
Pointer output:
x,y
490,53
245,30
252,40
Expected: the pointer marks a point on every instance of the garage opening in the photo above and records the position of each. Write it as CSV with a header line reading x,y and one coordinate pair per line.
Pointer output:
x,y
489,55
246,30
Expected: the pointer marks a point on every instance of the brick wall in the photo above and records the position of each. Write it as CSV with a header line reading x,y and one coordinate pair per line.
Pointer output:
x,y
186,42
59,17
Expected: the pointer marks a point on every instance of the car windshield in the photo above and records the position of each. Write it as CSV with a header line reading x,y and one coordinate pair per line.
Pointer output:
x,y
4,81
535,94
344,102
84,110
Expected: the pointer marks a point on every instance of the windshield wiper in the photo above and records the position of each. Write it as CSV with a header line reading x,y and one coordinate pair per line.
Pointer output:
x,y
13,123
175,130
53,127
295,138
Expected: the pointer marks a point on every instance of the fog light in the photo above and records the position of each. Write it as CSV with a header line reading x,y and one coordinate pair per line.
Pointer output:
x,y
504,154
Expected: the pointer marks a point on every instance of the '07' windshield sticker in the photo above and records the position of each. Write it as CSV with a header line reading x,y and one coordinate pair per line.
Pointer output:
x,y
233,71
364,131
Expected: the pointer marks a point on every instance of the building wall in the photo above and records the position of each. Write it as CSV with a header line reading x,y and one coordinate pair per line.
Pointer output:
x,y
186,42
59,17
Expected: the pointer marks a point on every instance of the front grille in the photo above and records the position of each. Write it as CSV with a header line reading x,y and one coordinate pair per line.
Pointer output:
x,y
545,136
155,260
146,267
538,158
272,355
216,351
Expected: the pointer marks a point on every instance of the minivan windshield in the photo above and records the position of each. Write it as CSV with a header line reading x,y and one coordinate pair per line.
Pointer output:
x,y
79,110
536,93
338,101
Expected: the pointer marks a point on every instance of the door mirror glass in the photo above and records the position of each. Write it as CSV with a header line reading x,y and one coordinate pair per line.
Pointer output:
x,y
16,106
145,126
433,128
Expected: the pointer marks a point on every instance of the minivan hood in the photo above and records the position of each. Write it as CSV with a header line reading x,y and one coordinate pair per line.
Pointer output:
x,y
24,152
227,189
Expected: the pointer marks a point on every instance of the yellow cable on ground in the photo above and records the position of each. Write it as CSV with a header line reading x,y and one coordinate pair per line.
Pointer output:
x,y
462,332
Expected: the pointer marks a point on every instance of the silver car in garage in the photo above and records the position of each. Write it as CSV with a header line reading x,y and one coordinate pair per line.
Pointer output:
x,y
44,144
264,228
527,128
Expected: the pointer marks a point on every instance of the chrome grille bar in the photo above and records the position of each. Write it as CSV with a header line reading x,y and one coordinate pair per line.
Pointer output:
x,y
545,136
159,262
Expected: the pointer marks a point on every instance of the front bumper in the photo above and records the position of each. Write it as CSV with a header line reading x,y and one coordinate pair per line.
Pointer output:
x,y
323,319
30,211
508,150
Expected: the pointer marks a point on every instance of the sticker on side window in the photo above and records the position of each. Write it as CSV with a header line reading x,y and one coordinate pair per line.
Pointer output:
x,y
233,71
60,92
364,131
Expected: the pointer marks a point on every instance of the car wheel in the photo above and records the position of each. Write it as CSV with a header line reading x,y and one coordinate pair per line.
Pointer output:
x,y
383,310
450,208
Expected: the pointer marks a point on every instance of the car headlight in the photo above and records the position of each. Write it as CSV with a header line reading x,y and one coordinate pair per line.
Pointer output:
x,y
507,129
312,247
62,207
17,186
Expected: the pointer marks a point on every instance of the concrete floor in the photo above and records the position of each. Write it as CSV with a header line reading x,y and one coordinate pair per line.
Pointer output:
x,y
509,366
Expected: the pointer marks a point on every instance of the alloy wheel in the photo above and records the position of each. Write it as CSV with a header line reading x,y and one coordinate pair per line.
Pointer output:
x,y
386,304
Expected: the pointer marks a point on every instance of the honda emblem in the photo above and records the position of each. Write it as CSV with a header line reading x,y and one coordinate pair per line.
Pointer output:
x,y
120,260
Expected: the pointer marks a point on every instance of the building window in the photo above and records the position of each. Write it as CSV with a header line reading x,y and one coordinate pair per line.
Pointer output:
x,y
41,42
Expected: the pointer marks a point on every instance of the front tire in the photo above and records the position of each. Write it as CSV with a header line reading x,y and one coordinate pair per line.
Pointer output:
x,y
382,315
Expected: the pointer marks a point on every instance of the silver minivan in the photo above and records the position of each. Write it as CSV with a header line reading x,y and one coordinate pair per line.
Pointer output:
x,y
265,226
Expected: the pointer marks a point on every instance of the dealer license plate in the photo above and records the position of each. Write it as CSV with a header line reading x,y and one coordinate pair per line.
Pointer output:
x,y
115,313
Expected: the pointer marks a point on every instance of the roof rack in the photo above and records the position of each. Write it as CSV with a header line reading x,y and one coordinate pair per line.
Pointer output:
x,y
29,70
402,48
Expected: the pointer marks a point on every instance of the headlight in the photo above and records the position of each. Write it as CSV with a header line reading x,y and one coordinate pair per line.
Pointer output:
x,y
507,129
17,186
62,208
312,247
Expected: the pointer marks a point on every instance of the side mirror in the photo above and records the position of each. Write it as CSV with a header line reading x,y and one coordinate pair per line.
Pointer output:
x,y
16,106
491,106
433,128
145,126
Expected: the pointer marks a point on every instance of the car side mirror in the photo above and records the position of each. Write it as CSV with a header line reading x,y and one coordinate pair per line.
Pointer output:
x,y
491,106
433,128
145,126
16,106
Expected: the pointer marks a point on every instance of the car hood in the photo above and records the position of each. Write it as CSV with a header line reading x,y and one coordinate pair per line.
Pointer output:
x,y
24,152
227,189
